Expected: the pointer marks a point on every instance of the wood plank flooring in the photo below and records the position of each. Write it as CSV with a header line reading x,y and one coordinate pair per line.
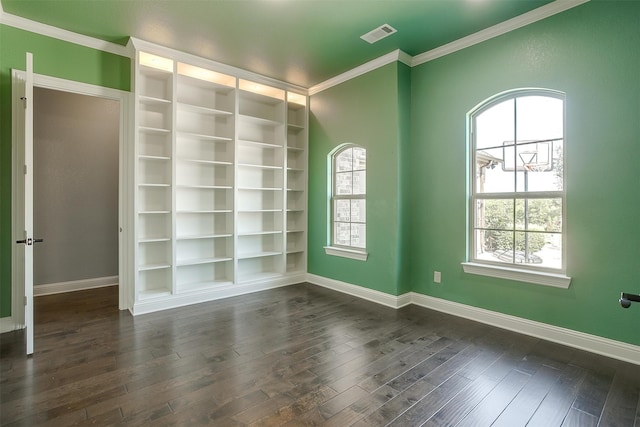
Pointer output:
x,y
294,356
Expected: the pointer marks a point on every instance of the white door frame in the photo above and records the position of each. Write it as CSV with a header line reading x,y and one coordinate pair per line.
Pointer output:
x,y
125,196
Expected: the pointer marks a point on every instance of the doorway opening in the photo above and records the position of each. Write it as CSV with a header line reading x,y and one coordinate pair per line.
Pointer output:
x,y
75,188
72,233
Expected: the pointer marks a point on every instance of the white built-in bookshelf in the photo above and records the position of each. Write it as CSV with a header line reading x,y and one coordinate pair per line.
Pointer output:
x,y
296,184
221,177
260,173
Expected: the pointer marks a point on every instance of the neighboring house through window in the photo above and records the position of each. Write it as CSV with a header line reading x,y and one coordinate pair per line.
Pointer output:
x,y
348,181
517,197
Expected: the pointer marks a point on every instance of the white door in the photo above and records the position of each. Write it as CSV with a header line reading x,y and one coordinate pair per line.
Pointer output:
x,y
27,241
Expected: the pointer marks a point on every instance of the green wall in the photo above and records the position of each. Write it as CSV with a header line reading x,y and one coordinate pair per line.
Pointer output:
x,y
55,58
417,197
591,53
362,111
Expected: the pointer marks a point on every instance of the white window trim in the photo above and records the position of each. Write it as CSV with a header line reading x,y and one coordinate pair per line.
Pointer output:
x,y
556,280
346,253
511,271
350,252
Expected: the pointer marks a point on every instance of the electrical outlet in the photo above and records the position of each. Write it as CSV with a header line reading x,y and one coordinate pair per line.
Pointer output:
x,y
437,277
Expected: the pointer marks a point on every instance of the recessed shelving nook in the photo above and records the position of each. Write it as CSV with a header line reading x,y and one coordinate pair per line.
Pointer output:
x,y
221,178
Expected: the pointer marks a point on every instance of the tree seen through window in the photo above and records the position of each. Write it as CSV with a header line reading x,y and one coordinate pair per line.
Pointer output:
x,y
517,183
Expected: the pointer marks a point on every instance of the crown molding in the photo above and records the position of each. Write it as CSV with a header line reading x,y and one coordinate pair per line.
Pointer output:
x,y
523,20
398,55
60,34
404,57
395,56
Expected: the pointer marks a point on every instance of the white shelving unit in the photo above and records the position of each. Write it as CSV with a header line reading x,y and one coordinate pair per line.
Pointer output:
x,y
220,181
296,184
260,175
205,124
154,95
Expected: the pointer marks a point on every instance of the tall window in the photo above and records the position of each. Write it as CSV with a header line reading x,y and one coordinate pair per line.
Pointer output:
x,y
517,181
348,197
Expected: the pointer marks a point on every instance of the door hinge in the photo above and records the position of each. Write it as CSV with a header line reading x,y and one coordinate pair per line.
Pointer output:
x,y
25,300
24,98
25,169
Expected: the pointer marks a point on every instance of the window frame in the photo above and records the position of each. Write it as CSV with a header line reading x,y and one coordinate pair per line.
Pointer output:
x,y
332,248
511,270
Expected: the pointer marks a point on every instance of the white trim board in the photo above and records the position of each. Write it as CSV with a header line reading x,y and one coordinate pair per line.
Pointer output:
x,y
74,285
360,292
535,15
580,340
7,325
528,276
525,19
389,58
60,34
216,292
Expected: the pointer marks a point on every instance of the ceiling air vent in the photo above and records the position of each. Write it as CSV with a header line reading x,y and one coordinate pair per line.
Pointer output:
x,y
379,33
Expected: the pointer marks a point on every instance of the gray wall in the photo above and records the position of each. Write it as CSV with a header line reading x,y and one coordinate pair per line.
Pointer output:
x,y
75,186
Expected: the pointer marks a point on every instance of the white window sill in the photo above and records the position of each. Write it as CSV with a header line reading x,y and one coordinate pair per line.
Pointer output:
x,y
346,253
528,276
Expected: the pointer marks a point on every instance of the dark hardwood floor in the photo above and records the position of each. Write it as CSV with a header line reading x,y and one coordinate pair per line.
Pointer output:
x,y
300,355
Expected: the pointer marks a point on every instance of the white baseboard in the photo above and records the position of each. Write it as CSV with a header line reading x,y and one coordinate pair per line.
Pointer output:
x,y
583,341
7,325
75,285
593,343
360,292
216,292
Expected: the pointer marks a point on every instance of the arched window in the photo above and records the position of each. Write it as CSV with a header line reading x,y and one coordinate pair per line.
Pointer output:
x,y
517,196
348,197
